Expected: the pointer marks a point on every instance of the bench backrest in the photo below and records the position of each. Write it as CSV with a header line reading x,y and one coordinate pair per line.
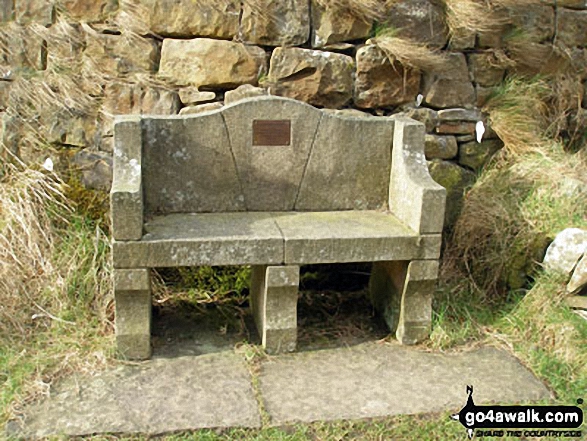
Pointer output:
x,y
265,154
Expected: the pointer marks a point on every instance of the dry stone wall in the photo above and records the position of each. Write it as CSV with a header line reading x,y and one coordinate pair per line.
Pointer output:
x,y
68,66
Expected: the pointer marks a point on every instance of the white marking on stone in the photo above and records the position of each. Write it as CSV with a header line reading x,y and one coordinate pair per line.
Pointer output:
x,y
419,100
480,130
48,164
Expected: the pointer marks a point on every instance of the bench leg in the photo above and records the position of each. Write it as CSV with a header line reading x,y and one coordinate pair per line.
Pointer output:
x,y
274,300
132,294
402,292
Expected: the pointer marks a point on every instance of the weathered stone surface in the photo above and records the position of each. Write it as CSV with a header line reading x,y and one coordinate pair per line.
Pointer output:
x,y
455,127
402,293
6,10
450,87
270,175
188,166
136,99
132,294
456,180
428,117
191,95
349,112
96,168
486,69
351,236
4,94
89,10
414,197
375,380
579,278
419,20
349,165
248,238
380,82
115,54
566,250
475,155
572,27
470,115
33,11
64,128
274,299
461,40
126,196
201,108
320,78
535,21
210,391
483,95
188,18
270,23
441,147
573,4
334,25
204,62
242,92
21,47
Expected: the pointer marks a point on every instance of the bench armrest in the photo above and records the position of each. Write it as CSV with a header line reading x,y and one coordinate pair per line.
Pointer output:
x,y
414,197
126,196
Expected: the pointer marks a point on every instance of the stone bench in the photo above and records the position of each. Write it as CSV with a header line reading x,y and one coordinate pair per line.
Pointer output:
x,y
274,183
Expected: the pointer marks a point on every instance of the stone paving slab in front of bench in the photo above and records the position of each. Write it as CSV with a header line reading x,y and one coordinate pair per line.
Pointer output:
x,y
215,390
375,380
158,396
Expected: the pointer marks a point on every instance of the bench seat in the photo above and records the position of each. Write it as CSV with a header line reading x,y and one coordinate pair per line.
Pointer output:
x,y
273,238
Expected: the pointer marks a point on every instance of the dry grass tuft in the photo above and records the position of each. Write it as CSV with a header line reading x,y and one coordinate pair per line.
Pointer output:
x,y
410,53
518,113
55,288
473,16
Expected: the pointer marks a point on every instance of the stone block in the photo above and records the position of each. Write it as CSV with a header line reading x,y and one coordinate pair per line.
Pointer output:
x,y
204,62
419,20
132,294
566,250
335,25
456,180
89,10
6,10
351,236
316,77
483,95
34,11
339,176
414,197
77,130
462,39
270,175
459,115
451,87
274,297
572,4
536,22
96,169
455,127
402,292
191,95
242,92
136,99
119,55
475,155
428,117
203,239
486,68
22,47
4,94
381,82
441,147
200,108
126,196
188,18
270,23
572,27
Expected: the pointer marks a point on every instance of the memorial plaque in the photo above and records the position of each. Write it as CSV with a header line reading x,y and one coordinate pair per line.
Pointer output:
x,y
271,132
